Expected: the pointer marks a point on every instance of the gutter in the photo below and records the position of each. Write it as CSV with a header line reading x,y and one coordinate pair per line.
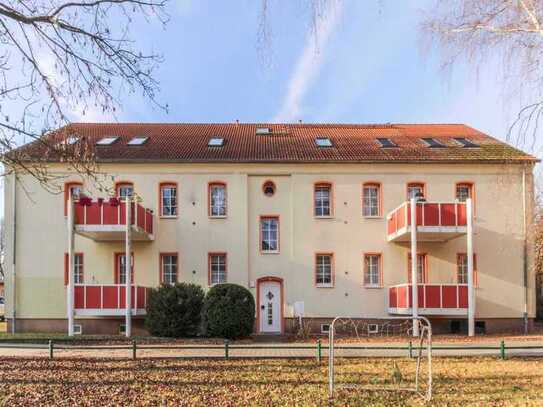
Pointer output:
x,y
14,251
525,250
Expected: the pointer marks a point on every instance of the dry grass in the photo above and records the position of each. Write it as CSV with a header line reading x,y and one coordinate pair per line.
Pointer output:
x,y
479,381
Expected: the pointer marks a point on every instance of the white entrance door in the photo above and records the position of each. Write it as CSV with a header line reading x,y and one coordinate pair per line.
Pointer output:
x,y
270,306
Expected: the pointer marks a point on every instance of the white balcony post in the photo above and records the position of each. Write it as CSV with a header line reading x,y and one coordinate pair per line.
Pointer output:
x,y
70,288
471,297
128,269
414,280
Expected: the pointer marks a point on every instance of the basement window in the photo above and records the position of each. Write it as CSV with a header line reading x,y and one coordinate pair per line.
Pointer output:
x,y
433,143
386,142
323,142
138,141
464,142
215,142
325,328
78,329
263,130
107,141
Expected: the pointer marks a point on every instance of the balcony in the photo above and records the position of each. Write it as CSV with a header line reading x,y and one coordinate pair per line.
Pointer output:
x,y
433,299
108,299
102,220
436,222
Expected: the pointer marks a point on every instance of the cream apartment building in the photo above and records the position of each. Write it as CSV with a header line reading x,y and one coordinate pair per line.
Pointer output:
x,y
312,218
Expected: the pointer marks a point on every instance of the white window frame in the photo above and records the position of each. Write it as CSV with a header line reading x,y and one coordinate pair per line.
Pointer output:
x,y
217,268
122,276
321,203
372,270
466,186
122,190
323,268
78,269
169,202
217,208
170,267
269,234
370,208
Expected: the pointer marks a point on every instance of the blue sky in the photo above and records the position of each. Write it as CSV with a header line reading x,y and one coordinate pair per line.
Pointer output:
x,y
366,64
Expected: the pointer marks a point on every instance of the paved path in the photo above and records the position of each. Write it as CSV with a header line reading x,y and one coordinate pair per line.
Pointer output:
x,y
272,351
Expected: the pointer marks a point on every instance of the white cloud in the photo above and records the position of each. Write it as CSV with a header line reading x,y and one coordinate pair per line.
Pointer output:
x,y
309,63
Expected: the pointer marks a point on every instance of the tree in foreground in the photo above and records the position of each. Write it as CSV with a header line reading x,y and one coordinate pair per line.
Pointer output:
x,y
175,310
61,58
229,311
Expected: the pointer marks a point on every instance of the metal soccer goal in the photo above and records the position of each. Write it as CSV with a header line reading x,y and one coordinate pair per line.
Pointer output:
x,y
406,374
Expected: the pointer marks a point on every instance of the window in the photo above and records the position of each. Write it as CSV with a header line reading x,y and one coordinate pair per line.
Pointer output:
x,y
72,189
432,142
68,141
386,142
372,270
78,268
217,268
217,199
323,142
324,270
269,234
120,268
215,142
168,200
464,191
415,189
371,200
462,268
422,272
168,265
106,141
138,141
325,328
268,188
124,189
263,130
323,200
464,142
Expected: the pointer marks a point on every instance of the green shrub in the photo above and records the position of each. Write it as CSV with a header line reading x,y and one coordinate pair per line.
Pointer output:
x,y
229,311
175,310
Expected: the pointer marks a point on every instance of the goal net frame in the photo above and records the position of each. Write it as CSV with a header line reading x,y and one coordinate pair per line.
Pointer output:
x,y
424,342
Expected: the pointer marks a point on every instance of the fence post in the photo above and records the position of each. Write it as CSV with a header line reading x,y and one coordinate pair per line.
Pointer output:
x,y
502,349
226,350
134,350
51,346
410,349
319,351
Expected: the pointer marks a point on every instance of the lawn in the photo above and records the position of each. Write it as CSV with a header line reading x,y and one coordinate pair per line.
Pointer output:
x,y
480,381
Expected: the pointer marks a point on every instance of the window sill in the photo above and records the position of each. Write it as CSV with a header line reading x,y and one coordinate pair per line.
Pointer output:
x,y
372,217
324,286
373,287
168,217
218,217
269,252
324,217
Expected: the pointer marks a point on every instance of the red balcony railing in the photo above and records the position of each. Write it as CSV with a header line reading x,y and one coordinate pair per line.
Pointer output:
x,y
428,214
433,298
108,299
112,212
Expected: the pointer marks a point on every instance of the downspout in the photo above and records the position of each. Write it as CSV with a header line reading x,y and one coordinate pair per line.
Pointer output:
x,y
14,250
525,250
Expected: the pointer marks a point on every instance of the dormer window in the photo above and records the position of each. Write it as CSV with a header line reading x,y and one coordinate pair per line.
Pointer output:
x,y
386,142
138,141
263,130
69,141
323,142
464,142
215,142
107,141
433,143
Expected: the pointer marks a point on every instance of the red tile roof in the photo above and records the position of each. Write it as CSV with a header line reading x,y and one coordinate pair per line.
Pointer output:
x,y
287,143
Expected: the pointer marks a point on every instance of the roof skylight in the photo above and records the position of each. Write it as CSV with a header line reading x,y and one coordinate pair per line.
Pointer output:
x,y
138,141
465,142
323,142
69,141
386,142
263,130
106,141
215,142
433,143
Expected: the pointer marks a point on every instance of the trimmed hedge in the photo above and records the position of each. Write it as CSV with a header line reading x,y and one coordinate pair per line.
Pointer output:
x,y
175,310
229,311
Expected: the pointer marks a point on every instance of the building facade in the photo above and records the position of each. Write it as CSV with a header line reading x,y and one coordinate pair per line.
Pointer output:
x,y
313,219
